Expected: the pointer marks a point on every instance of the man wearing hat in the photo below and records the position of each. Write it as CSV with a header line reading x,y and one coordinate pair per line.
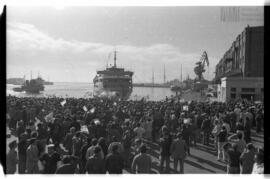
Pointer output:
x,y
178,150
32,157
247,159
95,163
50,160
142,162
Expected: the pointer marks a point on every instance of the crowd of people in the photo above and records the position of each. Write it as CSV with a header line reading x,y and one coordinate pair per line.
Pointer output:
x,y
98,135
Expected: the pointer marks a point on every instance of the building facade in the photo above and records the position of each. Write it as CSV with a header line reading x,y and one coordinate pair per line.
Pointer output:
x,y
245,57
251,88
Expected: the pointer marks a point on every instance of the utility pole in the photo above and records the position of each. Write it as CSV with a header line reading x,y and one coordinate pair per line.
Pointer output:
x,y
115,58
31,75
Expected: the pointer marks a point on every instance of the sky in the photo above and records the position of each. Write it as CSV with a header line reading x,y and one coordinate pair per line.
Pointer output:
x,y
69,44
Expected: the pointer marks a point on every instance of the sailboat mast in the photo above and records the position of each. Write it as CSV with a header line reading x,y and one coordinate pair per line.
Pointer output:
x,y
164,78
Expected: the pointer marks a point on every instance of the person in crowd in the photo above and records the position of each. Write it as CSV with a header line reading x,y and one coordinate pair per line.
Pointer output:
x,y
76,144
258,167
114,142
95,164
247,159
103,145
32,157
139,131
165,144
83,155
68,139
12,158
206,129
142,162
90,150
114,163
233,166
22,147
50,160
239,141
178,152
221,138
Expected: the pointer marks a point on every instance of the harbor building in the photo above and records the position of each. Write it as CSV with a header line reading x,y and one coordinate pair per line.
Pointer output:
x,y
240,72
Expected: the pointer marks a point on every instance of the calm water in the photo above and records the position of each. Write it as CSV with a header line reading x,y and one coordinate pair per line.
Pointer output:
x,y
84,90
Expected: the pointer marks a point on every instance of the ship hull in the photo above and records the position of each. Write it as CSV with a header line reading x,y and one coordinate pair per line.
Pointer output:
x,y
117,92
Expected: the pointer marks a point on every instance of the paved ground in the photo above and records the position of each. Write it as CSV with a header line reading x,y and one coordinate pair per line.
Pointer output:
x,y
202,159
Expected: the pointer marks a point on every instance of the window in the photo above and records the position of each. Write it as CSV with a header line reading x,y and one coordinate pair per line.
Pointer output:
x,y
233,89
233,95
248,89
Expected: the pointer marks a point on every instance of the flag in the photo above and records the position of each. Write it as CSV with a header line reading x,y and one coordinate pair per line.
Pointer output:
x,y
187,121
92,110
85,108
96,121
63,103
49,117
84,129
185,108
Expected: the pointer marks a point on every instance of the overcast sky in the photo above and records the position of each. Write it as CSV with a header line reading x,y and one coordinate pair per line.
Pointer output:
x,y
68,44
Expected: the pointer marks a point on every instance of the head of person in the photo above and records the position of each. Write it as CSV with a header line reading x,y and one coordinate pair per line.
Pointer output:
x,y
94,142
114,148
12,145
34,134
51,149
101,141
239,135
250,146
143,148
72,130
97,150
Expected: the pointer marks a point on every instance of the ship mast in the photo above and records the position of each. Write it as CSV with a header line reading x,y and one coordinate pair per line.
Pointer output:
x,y
164,75
181,73
115,58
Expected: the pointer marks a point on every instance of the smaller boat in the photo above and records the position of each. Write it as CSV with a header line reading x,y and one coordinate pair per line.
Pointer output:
x,y
175,88
32,86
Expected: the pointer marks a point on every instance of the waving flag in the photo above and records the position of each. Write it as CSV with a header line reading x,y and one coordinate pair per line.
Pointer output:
x,y
85,108
63,103
49,117
92,110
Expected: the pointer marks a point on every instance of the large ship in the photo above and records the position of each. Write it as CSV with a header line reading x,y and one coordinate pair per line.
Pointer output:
x,y
113,82
32,86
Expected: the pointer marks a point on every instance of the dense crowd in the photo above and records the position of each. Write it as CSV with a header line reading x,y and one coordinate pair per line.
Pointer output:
x,y
69,135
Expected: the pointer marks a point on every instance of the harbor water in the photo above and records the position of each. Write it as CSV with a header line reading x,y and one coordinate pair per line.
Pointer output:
x,y
85,90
